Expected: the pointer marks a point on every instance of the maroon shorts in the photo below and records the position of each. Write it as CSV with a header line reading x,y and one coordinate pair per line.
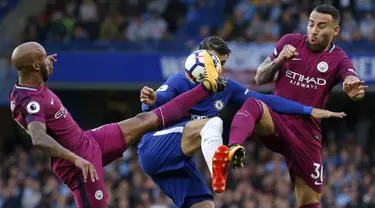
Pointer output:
x,y
100,147
300,144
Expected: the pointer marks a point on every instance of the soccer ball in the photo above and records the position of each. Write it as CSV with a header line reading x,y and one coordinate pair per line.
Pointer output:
x,y
194,65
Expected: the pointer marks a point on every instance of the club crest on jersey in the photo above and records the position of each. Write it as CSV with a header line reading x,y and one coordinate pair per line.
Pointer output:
x,y
322,67
162,88
33,107
219,105
99,195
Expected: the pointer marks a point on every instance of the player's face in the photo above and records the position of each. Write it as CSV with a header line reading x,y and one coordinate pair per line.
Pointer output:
x,y
222,58
42,65
321,30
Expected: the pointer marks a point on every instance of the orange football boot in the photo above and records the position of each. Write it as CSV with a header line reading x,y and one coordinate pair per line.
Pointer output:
x,y
236,156
219,169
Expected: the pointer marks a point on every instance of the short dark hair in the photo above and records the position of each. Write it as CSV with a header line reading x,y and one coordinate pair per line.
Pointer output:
x,y
215,43
329,9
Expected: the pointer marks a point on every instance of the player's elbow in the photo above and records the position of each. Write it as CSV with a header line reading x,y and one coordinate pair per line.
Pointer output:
x,y
259,80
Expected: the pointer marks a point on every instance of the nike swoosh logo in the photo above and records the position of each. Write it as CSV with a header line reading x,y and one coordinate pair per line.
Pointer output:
x,y
317,183
296,59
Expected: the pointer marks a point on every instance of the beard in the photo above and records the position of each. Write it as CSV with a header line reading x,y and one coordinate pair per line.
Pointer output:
x,y
44,73
319,46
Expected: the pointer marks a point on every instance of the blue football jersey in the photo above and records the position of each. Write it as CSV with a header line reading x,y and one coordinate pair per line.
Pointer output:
x,y
216,102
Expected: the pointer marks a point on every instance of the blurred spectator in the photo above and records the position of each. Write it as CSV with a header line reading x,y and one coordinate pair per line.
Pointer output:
x,y
155,28
110,27
287,25
135,30
367,27
348,26
88,11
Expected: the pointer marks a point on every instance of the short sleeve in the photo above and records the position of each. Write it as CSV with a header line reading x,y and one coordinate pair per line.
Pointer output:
x,y
346,68
33,110
286,39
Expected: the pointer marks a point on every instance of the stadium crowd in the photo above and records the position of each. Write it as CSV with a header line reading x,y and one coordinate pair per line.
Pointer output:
x,y
190,20
26,179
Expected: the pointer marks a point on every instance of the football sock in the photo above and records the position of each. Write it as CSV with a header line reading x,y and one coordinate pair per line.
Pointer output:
x,y
244,121
211,135
316,205
179,106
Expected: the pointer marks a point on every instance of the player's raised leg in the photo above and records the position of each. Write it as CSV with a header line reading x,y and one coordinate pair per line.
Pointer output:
x,y
174,110
253,114
242,127
207,135
166,156
211,135
201,131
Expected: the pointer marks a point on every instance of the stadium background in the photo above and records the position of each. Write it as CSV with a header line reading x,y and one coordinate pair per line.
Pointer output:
x,y
108,49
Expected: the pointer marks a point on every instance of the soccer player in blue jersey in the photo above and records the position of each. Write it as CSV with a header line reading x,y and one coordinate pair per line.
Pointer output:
x,y
167,155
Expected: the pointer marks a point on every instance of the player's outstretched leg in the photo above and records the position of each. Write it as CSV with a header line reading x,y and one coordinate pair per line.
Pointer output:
x,y
174,110
169,152
253,113
207,134
242,127
167,114
211,135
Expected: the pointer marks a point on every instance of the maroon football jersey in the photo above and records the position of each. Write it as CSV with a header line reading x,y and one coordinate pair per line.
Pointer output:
x,y
310,77
41,104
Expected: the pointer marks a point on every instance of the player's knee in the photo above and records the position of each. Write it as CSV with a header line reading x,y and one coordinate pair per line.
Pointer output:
x,y
265,125
214,126
254,105
147,122
191,138
134,128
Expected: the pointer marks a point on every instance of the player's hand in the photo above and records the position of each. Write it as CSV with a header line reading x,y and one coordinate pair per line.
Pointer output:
x,y
51,60
355,89
320,114
148,95
88,169
286,54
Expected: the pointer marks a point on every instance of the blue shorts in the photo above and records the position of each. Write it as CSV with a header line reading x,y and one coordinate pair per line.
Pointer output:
x,y
161,157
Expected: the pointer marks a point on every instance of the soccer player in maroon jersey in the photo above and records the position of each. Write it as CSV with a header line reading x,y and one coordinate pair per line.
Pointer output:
x,y
76,154
309,67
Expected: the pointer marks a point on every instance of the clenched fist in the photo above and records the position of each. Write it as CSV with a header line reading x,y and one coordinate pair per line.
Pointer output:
x,y
148,95
286,54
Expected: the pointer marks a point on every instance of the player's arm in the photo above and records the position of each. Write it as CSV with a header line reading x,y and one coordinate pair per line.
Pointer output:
x,y
352,85
44,142
47,144
281,105
151,99
266,71
283,52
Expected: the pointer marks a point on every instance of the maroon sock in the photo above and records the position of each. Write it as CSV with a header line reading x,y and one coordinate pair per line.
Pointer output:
x,y
179,106
316,205
244,121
